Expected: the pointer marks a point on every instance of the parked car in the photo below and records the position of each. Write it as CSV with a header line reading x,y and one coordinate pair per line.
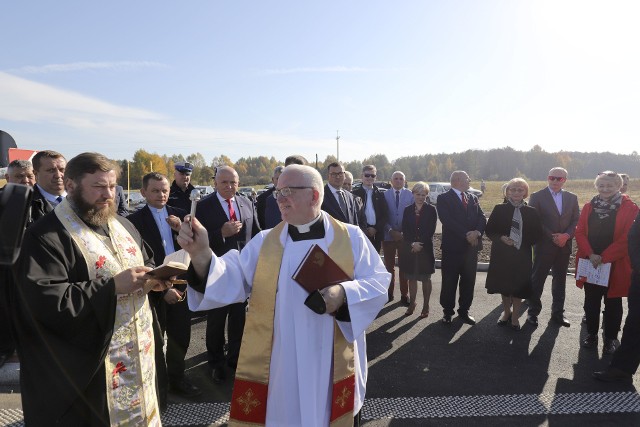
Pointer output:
x,y
247,191
204,189
437,188
135,200
382,186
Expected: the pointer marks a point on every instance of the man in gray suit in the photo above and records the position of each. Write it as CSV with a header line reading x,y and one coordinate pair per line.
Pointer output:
x,y
559,213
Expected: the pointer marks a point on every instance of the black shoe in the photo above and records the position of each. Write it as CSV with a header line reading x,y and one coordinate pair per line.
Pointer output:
x,y
612,374
532,319
467,319
610,346
560,320
584,318
391,298
185,388
591,341
515,326
504,322
446,319
218,375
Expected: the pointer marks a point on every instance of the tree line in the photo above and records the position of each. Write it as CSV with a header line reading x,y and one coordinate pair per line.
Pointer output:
x,y
500,164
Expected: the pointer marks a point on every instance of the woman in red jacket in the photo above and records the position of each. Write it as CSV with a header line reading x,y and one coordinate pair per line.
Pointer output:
x,y
601,236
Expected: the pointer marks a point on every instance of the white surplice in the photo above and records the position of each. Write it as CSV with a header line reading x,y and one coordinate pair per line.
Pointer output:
x,y
300,377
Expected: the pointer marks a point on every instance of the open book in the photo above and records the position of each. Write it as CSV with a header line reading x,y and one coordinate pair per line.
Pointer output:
x,y
174,264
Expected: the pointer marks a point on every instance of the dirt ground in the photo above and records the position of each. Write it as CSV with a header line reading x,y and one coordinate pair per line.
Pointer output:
x,y
486,250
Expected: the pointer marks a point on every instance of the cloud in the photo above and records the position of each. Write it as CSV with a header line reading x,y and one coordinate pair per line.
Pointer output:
x,y
82,66
78,123
336,69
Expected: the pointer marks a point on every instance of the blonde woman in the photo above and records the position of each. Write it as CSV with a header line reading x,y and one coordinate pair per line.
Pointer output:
x,y
513,228
601,236
418,260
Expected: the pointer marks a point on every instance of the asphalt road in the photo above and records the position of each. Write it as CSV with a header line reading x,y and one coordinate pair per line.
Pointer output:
x,y
425,373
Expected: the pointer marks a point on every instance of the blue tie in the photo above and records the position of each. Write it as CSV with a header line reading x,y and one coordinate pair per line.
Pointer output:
x,y
397,198
59,199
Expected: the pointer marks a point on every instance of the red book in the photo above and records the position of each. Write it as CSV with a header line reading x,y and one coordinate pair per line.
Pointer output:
x,y
317,271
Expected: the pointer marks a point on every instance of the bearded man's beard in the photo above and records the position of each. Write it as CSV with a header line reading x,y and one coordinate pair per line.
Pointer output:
x,y
90,213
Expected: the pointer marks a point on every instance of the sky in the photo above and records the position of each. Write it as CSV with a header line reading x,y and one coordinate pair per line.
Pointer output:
x,y
276,78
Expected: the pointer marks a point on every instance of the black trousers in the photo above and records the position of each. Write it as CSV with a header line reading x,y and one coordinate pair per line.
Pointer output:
x,y
593,295
558,262
7,343
458,270
216,320
627,357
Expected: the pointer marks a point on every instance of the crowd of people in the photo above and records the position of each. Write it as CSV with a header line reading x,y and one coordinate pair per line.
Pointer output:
x,y
83,290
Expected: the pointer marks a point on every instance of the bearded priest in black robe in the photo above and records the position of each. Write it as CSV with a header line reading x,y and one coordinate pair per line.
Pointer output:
x,y
85,330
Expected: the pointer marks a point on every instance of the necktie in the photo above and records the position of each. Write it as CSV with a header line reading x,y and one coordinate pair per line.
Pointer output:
x,y
232,212
464,201
343,203
397,198
59,199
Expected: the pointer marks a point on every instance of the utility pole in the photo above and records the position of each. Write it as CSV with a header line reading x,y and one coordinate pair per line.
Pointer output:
x,y
337,146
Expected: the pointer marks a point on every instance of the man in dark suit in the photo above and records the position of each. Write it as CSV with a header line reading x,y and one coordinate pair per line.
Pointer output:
x,y
121,202
337,202
158,225
49,167
375,207
559,213
231,221
261,202
463,224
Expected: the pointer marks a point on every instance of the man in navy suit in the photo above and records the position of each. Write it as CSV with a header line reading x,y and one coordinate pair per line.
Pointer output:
x,y
463,224
339,203
231,221
397,198
158,224
375,207
559,213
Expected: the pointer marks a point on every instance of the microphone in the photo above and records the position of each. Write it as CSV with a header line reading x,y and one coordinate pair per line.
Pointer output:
x,y
194,197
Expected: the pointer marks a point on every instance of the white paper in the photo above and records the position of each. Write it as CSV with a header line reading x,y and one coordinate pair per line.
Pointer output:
x,y
597,276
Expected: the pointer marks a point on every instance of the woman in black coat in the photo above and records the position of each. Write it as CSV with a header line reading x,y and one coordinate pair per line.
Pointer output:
x,y
418,260
513,228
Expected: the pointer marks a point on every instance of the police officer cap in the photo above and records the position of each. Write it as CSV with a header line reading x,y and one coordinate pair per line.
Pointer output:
x,y
184,167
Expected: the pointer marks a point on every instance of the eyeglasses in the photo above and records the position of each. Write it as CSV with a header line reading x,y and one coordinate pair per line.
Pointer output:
x,y
336,174
369,175
556,178
286,191
607,173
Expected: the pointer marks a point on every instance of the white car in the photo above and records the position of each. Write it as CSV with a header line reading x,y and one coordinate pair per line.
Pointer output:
x,y
204,189
437,188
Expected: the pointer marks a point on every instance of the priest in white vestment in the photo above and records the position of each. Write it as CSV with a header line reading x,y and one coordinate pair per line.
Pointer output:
x,y
304,387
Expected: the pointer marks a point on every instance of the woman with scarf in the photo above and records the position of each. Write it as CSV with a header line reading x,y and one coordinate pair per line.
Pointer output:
x,y
513,228
601,236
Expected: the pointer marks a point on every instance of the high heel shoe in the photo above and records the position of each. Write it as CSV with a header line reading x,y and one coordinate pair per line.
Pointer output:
x,y
411,309
424,314
515,326
505,321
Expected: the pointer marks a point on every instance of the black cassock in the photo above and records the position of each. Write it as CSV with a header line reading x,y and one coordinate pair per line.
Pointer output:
x,y
64,324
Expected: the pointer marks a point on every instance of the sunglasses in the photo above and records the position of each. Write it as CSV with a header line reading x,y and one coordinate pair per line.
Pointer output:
x,y
556,178
369,175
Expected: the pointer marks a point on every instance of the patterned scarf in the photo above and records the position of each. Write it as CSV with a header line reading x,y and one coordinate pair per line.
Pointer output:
x,y
516,224
603,208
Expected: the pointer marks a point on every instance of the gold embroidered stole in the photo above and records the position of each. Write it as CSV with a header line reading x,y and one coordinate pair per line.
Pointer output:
x,y
129,364
250,390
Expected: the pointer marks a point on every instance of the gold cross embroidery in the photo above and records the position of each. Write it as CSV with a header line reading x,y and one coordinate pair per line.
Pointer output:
x,y
341,400
248,401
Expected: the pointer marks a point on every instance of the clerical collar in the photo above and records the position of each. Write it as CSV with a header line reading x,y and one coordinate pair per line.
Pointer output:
x,y
309,231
